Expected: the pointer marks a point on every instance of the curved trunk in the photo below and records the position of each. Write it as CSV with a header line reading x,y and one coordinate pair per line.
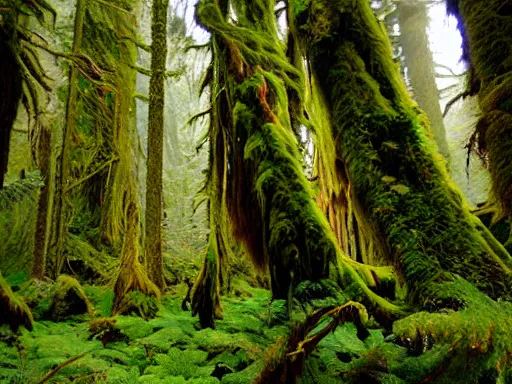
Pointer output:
x,y
397,176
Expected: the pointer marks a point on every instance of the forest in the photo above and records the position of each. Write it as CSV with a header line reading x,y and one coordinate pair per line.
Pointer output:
x,y
255,191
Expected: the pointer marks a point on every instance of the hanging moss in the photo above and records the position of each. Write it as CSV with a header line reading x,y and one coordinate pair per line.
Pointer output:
x,y
269,200
486,27
14,311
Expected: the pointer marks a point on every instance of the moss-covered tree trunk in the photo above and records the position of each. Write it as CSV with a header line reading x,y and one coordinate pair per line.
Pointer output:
x,y
413,19
268,198
486,27
61,207
10,84
41,244
132,278
153,219
398,178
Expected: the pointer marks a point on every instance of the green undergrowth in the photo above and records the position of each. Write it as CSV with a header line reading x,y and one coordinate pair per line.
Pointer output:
x,y
170,348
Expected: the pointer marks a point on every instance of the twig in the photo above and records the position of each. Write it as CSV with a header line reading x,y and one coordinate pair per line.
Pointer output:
x,y
114,6
142,97
52,373
74,185
454,100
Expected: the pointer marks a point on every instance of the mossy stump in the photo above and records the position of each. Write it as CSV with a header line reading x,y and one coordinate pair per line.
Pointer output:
x,y
69,299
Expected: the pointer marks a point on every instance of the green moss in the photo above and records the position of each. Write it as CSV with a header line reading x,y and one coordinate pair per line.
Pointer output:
x,y
425,223
69,299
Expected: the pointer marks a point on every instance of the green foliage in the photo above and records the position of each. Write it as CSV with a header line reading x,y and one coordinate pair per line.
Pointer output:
x,y
165,349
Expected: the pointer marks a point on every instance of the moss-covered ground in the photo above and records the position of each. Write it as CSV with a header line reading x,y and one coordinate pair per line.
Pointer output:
x,y
170,348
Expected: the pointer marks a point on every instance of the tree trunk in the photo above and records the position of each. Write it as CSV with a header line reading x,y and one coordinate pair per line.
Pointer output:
x,y
486,27
10,84
60,214
269,199
413,19
41,244
398,178
153,222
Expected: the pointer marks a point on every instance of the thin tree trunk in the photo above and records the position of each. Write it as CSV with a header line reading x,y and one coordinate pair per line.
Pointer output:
x,y
153,220
41,244
60,214
413,19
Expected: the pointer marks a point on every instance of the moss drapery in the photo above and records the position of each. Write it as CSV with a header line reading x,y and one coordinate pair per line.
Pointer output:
x,y
486,27
268,198
401,184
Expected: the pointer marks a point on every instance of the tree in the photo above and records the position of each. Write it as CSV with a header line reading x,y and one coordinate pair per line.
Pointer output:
x,y
153,222
486,28
41,243
263,186
413,19
21,73
397,179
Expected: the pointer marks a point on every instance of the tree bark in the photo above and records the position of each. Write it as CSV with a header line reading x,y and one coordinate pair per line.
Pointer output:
x,y
413,20
153,222
486,27
10,84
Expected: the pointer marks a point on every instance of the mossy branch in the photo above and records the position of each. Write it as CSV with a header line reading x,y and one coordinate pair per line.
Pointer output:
x,y
84,179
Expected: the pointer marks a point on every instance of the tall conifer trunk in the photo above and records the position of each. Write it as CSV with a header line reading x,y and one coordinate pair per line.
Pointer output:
x,y
413,19
61,207
153,222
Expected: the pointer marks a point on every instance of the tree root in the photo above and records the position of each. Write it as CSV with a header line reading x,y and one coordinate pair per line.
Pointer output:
x,y
286,363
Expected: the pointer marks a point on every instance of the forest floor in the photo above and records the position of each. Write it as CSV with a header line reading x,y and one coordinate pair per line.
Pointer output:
x,y
169,348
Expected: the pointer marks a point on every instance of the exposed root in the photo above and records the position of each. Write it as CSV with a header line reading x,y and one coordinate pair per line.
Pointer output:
x,y
285,363
132,276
